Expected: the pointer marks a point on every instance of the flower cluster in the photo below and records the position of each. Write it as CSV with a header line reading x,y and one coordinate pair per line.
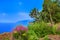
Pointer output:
x,y
21,28
20,32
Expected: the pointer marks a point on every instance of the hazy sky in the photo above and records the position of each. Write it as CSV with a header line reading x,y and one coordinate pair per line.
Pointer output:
x,y
17,10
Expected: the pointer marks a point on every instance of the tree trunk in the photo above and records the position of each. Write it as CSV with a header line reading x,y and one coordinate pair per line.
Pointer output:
x,y
51,20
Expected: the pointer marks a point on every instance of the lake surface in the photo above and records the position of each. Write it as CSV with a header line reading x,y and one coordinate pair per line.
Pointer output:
x,y
8,27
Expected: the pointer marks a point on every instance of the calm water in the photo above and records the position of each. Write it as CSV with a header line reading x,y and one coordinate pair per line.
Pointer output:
x,y
8,27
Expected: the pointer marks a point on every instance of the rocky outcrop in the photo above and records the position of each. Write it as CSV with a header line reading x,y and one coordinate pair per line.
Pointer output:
x,y
5,36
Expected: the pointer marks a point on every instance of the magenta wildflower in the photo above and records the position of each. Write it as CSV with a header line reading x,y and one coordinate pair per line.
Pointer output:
x,y
21,28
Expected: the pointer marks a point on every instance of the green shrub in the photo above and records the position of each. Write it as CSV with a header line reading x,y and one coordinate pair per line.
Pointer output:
x,y
57,28
46,38
32,35
54,29
41,28
20,33
6,38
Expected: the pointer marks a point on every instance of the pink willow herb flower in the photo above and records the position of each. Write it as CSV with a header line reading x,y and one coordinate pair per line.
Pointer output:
x,y
21,28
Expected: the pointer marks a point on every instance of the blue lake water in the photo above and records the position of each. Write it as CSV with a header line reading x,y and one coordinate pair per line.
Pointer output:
x,y
8,27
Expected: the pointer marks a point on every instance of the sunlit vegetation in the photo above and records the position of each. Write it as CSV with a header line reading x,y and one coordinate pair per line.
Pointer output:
x,y
46,22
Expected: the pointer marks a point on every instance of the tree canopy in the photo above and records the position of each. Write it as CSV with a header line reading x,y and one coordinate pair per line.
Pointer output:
x,y
49,13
